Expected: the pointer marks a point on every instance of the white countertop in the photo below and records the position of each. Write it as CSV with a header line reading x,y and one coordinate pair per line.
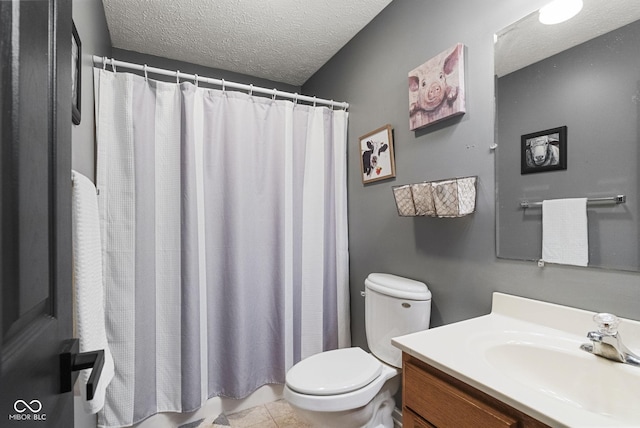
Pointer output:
x,y
460,349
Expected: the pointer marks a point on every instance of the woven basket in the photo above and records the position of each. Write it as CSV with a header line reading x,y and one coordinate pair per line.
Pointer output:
x,y
404,201
455,197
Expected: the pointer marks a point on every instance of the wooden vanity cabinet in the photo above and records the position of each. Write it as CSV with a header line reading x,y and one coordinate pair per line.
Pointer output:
x,y
434,399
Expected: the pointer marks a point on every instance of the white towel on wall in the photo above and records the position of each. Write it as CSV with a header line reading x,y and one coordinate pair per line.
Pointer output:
x,y
89,292
565,232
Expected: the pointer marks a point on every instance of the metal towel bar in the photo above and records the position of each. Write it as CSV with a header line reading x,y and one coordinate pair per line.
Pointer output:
x,y
618,199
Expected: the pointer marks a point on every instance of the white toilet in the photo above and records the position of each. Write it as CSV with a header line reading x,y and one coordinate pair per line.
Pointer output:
x,y
349,387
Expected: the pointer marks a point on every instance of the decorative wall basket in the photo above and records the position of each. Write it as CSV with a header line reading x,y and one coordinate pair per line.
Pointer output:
x,y
454,197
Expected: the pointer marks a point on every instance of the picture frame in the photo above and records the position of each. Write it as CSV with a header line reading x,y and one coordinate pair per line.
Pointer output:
x,y
76,75
377,160
544,151
437,88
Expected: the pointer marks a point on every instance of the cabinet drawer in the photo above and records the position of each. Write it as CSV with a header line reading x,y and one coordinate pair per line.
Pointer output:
x,y
412,420
443,405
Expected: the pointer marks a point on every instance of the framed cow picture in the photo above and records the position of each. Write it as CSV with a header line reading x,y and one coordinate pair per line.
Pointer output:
x,y
436,88
376,155
544,151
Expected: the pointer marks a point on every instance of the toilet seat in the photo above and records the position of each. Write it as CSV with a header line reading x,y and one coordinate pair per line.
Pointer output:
x,y
334,372
342,402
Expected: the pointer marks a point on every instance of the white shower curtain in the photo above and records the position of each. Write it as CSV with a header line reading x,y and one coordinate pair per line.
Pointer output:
x,y
224,220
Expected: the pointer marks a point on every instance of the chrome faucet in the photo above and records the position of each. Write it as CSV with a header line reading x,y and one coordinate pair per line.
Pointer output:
x,y
607,343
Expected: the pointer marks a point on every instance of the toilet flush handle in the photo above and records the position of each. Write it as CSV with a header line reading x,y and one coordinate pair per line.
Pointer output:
x,y
363,293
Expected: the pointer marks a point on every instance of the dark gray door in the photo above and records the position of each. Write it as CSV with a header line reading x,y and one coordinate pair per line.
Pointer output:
x,y
35,211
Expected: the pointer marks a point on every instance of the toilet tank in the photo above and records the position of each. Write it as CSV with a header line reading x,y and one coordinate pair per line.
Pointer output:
x,y
394,306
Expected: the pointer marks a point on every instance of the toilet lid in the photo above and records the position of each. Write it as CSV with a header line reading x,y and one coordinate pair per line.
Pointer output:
x,y
334,372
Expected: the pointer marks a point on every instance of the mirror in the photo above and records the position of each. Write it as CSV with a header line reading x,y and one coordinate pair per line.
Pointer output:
x,y
584,75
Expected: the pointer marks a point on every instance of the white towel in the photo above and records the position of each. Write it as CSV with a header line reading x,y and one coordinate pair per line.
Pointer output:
x,y
565,232
89,292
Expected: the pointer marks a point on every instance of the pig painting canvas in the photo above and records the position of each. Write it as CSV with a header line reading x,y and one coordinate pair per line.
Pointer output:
x,y
436,88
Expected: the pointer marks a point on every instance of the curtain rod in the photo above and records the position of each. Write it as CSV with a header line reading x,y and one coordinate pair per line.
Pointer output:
x,y
104,61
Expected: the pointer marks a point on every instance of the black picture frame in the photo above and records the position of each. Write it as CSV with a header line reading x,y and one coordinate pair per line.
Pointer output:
x,y
76,75
550,148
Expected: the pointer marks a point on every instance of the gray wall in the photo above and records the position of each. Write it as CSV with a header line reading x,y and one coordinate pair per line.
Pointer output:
x,y
88,15
456,257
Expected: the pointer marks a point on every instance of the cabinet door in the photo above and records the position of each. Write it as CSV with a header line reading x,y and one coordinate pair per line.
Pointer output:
x,y
444,405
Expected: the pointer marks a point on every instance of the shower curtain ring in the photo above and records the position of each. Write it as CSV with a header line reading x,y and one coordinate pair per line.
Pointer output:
x,y
295,98
113,65
331,105
274,94
314,100
196,79
104,62
223,88
251,89
178,77
146,76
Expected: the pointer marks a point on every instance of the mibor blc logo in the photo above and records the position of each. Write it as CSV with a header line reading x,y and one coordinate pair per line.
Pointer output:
x,y
27,411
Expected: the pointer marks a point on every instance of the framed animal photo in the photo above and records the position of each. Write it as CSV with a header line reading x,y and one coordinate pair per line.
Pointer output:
x,y
376,155
76,74
544,151
436,88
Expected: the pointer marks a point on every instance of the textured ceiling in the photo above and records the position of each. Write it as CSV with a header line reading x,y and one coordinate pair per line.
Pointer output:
x,y
281,40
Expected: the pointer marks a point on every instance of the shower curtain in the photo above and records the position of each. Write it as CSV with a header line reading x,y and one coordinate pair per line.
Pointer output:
x,y
224,222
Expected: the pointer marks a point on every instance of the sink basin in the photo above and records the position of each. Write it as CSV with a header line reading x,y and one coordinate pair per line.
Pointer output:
x,y
556,367
526,353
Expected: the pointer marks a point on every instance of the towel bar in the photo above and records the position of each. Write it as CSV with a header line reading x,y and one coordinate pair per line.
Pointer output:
x,y
618,199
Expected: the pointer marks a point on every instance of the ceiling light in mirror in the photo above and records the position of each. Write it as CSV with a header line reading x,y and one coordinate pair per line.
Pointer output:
x,y
559,11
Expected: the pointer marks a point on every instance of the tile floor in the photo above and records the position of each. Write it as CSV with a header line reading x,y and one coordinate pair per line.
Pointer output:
x,y
271,415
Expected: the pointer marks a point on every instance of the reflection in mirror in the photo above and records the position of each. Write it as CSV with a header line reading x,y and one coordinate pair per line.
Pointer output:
x,y
584,75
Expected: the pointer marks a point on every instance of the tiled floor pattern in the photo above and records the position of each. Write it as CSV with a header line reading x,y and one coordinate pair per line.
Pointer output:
x,y
271,415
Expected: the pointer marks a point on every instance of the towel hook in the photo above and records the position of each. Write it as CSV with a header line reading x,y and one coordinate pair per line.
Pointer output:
x,y
113,65
146,76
